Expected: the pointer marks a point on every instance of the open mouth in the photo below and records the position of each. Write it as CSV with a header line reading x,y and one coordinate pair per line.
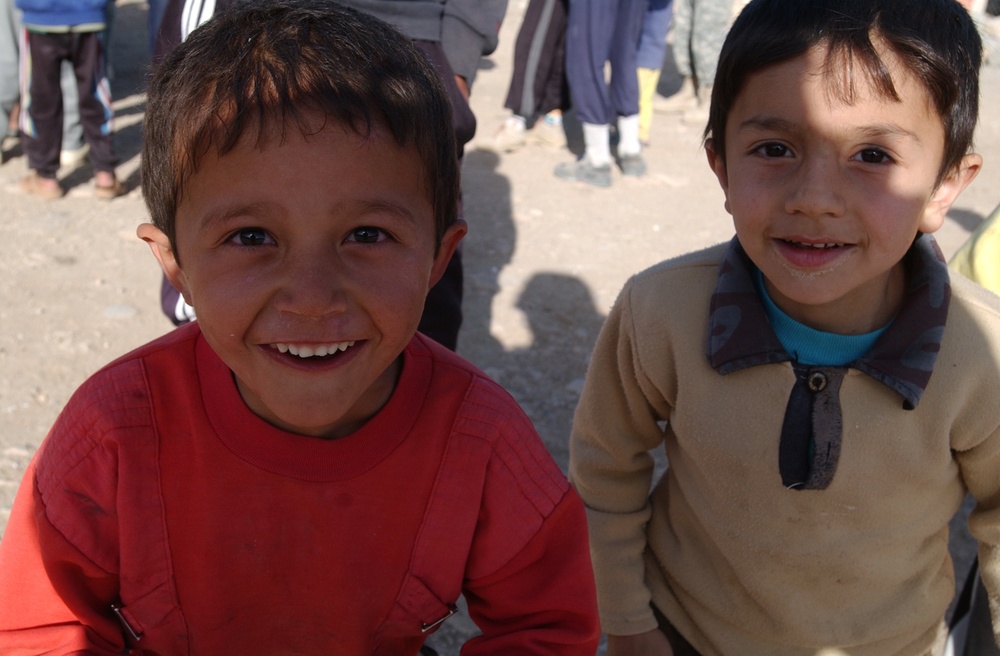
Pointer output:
x,y
313,351
819,246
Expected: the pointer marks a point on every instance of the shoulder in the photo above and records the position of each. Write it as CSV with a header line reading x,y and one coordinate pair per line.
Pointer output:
x,y
105,437
109,405
692,275
973,321
521,485
971,337
966,376
672,298
487,413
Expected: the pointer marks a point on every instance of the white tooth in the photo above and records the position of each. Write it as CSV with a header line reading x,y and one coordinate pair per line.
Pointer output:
x,y
313,351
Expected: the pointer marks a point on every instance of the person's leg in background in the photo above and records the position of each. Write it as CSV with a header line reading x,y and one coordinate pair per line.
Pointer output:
x,y
649,60
709,26
624,86
10,31
74,144
538,80
41,118
96,111
589,35
681,24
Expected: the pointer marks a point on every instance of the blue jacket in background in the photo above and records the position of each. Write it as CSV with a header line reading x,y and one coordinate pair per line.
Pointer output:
x,y
61,13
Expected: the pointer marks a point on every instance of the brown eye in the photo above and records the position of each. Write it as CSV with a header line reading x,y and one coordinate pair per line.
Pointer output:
x,y
251,237
367,235
774,150
873,156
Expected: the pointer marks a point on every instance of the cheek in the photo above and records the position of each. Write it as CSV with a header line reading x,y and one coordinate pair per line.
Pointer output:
x,y
224,310
895,219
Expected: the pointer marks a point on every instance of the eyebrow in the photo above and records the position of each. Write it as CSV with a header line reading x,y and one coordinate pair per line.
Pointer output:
x,y
229,211
873,131
218,215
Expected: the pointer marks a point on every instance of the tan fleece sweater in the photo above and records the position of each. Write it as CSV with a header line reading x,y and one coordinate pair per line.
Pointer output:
x,y
739,564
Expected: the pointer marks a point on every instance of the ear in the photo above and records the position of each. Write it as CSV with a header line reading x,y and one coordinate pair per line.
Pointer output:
x,y
953,184
718,165
159,243
449,242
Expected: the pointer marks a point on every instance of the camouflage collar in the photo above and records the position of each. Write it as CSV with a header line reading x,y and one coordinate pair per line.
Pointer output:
x,y
740,336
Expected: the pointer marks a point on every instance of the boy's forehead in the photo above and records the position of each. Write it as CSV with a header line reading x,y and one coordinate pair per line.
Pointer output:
x,y
844,79
261,145
225,133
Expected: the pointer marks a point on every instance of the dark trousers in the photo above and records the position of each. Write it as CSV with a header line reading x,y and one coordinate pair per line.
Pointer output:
x,y
600,32
43,102
442,316
538,83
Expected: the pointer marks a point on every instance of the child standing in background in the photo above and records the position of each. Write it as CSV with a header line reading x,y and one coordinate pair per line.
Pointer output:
x,y
57,31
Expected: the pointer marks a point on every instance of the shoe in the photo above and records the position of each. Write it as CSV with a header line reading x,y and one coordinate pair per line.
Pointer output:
x,y
584,171
74,157
549,133
680,102
107,192
47,188
509,137
632,165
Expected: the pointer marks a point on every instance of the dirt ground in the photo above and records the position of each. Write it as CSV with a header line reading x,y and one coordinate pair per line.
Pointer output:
x,y
544,258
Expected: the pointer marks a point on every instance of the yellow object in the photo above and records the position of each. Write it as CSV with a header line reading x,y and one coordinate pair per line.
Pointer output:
x,y
979,257
648,79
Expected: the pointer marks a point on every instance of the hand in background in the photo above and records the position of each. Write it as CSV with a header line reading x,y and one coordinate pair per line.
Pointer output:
x,y
463,86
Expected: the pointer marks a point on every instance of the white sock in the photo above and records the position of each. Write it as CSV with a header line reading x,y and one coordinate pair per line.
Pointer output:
x,y
628,135
597,144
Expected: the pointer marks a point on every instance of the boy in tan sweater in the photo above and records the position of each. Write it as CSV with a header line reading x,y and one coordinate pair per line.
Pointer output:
x,y
825,395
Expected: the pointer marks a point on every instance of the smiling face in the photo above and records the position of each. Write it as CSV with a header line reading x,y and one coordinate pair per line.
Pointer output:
x,y
308,261
827,195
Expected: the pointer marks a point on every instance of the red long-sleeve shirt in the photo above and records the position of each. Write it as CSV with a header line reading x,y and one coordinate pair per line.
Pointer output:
x,y
160,492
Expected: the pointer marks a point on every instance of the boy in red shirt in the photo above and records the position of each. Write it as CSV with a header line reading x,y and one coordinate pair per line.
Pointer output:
x,y
298,471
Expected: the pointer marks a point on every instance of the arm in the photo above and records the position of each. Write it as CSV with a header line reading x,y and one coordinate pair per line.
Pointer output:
x,y
542,600
53,599
614,429
469,30
979,470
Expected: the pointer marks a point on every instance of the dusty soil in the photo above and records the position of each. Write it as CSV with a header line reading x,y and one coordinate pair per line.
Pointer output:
x,y
544,258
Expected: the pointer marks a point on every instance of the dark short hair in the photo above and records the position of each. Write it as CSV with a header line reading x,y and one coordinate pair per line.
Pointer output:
x,y
936,40
266,66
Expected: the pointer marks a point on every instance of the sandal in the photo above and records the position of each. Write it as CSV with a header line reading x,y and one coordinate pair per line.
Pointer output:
x,y
47,188
108,192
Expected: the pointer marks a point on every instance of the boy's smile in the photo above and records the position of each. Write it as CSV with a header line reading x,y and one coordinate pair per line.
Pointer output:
x,y
827,195
307,261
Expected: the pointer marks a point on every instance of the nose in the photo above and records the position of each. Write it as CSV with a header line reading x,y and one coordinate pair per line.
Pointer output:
x,y
314,285
816,188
